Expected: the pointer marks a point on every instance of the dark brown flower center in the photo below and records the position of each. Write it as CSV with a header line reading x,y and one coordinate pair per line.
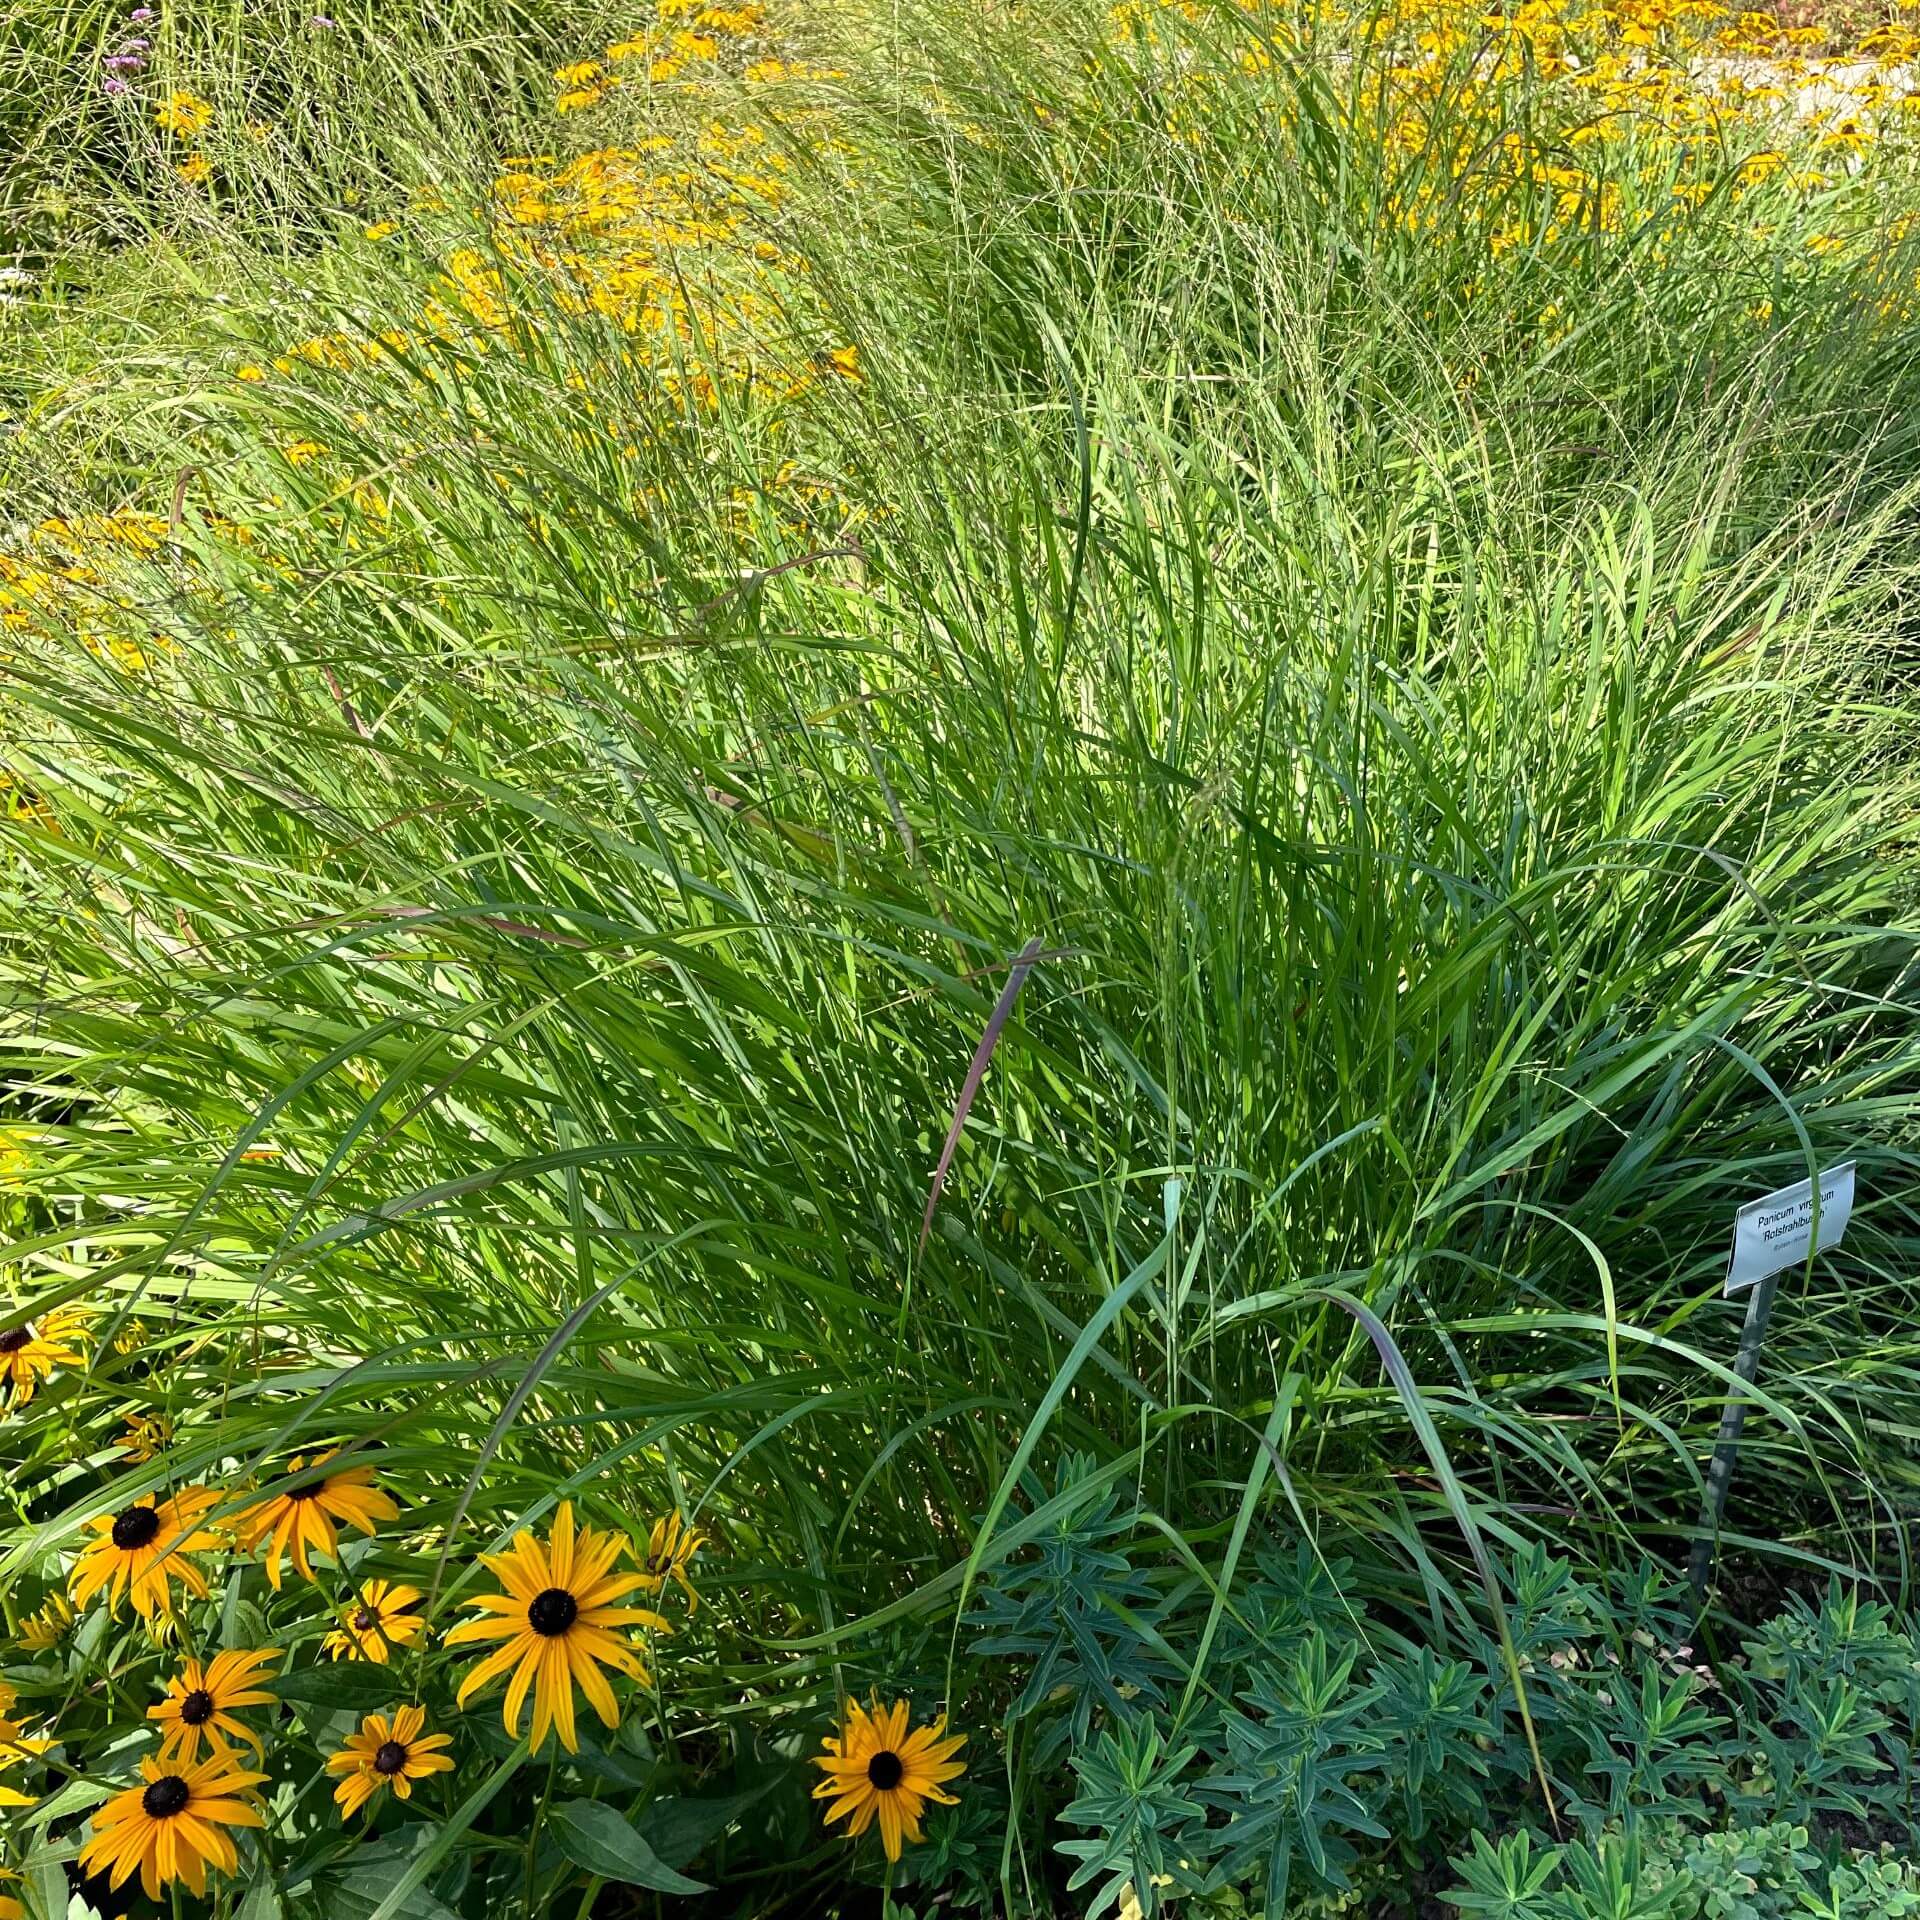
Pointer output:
x,y
15,1338
391,1759
197,1708
551,1613
135,1528
366,1620
164,1797
312,1491
885,1771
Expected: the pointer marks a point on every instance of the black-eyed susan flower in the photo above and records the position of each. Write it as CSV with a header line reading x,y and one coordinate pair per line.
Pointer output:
x,y
44,1629
10,1906
307,1518
201,1703
141,1550
36,1349
877,1770
556,1621
387,1753
173,1826
670,1547
379,1623
17,1746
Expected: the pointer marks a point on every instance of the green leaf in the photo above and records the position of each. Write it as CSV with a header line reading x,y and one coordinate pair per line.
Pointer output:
x,y
395,1904
365,1891
242,1624
43,1889
77,1796
596,1761
679,1831
388,1871
353,1686
260,1902
606,1843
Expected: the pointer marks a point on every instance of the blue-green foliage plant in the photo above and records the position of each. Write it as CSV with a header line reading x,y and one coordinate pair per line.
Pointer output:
x,y
1666,1871
1133,1797
1323,1752
1077,1615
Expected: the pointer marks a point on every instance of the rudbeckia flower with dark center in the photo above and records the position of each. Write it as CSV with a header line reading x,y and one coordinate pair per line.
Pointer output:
x,y
387,1754
201,1699
141,1550
377,1623
35,1349
174,1825
879,1769
557,1621
306,1518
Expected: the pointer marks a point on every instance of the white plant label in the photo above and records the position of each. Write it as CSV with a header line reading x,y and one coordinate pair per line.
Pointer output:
x,y
1775,1232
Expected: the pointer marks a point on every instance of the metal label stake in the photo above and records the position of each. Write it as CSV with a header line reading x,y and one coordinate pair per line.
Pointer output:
x,y
1726,1449
1770,1235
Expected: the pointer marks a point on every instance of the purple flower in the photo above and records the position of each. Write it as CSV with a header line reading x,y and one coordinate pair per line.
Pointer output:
x,y
141,13
321,20
125,62
114,84
136,45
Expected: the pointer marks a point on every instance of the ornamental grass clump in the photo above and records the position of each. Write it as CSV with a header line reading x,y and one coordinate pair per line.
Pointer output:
x,y
916,888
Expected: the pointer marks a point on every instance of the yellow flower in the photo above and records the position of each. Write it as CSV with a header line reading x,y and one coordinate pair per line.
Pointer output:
x,y
15,1747
31,1350
381,229
556,1621
377,1625
387,1754
164,1630
10,1908
581,73
670,1547
148,1435
195,170
173,1827
251,375
876,1768
185,114
140,1550
306,1516
201,1700
43,1631
299,452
